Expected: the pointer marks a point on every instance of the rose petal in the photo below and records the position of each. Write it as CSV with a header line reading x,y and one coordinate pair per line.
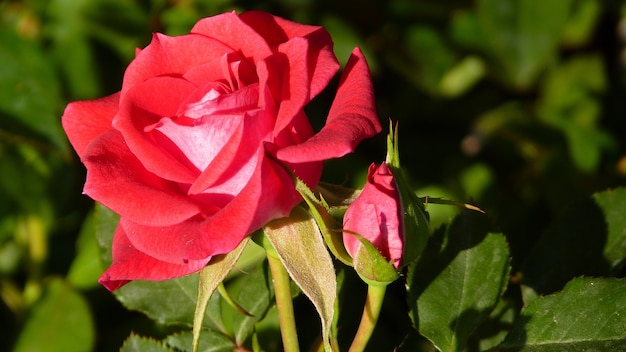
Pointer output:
x,y
351,119
231,68
130,264
320,59
83,121
215,121
117,179
264,198
171,56
144,106
376,214
232,31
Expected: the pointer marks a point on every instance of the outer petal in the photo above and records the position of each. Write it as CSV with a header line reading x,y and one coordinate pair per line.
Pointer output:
x,y
130,264
232,31
303,78
351,119
269,195
117,179
320,59
171,56
83,121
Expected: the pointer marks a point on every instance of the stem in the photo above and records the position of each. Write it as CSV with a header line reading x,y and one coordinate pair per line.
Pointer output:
x,y
371,311
284,304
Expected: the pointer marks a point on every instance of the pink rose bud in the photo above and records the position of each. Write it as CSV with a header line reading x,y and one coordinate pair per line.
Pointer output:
x,y
376,215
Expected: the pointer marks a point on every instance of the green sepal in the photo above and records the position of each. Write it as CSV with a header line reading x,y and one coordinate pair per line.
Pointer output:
x,y
371,266
416,230
300,247
327,225
210,278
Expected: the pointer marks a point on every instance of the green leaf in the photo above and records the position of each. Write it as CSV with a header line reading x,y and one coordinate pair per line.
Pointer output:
x,y
86,267
613,205
136,343
426,60
520,37
168,302
300,247
29,93
105,222
588,315
458,281
210,341
462,76
587,239
60,310
581,25
254,293
570,104
210,278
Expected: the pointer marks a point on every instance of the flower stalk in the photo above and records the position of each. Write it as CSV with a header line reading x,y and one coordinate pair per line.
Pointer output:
x,y
284,304
371,312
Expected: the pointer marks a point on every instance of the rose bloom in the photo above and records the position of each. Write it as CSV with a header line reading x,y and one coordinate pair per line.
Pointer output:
x,y
197,149
376,215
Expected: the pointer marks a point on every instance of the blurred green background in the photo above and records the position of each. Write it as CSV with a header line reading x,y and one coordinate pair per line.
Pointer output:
x,y
518,106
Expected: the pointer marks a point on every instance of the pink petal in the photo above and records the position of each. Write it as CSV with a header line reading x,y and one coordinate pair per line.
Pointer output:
x,y
171,56
144,106
376,214
270,194
305,78
83,121
321,63
233,166
215,120
236,34
351,119
231,68
130,264
117,179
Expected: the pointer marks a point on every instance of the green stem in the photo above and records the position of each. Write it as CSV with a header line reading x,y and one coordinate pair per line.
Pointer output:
x,y
284,304
371,311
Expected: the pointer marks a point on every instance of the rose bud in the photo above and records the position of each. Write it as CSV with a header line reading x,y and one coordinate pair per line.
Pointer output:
x,y
199,147
376,215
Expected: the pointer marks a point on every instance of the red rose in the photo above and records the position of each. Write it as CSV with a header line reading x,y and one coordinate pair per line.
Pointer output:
x,y
192,151
376,214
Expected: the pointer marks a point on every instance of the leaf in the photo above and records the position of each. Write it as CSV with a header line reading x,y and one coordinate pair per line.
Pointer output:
x,y
613,205
136,343
168,302
458,281
210,278
300,247
588,315
587,239
570,104
254,293
210,341
426,59
105,222
86,268
29,93
60,310
520,37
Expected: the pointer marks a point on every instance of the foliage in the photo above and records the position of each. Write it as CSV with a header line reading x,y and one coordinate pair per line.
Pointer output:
x,y
514,105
